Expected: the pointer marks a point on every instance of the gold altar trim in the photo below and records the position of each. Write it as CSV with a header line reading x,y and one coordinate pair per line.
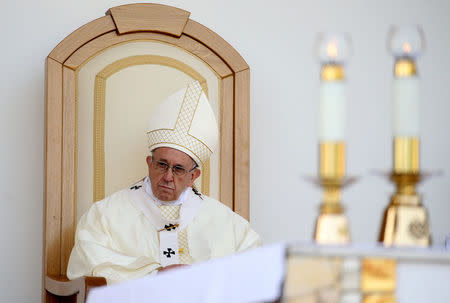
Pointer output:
x,y
379,298
406,155
378,280
99,112
378,275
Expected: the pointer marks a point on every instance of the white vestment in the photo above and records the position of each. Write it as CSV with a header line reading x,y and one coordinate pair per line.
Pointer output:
x,y
119,237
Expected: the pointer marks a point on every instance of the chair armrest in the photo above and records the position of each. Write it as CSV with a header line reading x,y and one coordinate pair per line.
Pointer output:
x,y
61,286
92,282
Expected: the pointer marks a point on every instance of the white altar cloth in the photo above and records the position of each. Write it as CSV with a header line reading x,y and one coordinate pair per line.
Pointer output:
x,y
253,276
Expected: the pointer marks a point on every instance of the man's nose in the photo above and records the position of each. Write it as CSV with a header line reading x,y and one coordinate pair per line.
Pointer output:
x,y
168,175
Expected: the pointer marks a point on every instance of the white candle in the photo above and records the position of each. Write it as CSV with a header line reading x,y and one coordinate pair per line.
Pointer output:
x,y
332,111
405,107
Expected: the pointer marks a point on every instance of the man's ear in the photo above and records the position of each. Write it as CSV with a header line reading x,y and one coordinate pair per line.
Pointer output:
x,y
195,174
149,160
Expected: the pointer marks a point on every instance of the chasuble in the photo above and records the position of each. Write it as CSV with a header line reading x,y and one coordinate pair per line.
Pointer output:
x,y
128,235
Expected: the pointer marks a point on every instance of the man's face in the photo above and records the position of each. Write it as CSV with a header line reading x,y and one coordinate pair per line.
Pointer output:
x,y
165,185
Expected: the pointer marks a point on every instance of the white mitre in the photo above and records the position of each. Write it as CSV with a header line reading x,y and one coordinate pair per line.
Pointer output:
x,y
185,121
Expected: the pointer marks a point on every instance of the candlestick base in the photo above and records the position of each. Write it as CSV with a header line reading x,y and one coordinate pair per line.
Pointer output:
x,y
405,221
332,225
332,229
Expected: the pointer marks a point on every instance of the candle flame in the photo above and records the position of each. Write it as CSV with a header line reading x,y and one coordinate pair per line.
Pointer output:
x,y
406,47
332,50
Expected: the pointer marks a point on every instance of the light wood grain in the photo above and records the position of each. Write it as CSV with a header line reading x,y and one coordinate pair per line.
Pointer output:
x,y
226,141
94,47
217,44
68,214
53,143
242,144
81,36
149,17
52,190
62,287
206,55
59,288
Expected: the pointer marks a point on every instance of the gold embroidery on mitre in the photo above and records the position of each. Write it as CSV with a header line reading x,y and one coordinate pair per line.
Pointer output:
x,y
180,134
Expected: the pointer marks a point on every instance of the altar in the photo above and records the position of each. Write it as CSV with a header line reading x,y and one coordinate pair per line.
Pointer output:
x,y
366,273
298,273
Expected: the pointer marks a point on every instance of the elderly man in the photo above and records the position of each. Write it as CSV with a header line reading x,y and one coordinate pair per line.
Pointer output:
x,y
162,221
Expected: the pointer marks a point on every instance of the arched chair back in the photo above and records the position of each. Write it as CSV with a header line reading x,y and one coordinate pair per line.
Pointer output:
x,y
102,82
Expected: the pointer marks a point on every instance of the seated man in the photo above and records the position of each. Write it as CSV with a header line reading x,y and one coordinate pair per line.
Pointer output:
x,y
162,221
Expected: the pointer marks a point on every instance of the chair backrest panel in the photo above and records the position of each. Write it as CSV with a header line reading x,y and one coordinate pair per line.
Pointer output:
x,y
117,89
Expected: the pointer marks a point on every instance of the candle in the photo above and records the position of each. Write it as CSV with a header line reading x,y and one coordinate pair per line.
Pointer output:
x,y
332,224
333,50
406,43
332,111
405,107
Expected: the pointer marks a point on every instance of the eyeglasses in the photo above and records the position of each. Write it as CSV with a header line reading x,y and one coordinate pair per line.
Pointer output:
x,y
177,170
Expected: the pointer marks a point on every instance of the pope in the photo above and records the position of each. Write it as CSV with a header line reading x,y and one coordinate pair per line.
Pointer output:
x,y
162,221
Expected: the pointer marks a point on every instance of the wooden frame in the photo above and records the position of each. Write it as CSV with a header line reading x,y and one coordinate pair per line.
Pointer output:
x,y
121,24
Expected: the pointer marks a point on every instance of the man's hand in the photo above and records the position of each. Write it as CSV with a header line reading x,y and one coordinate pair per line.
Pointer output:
x,y
170,267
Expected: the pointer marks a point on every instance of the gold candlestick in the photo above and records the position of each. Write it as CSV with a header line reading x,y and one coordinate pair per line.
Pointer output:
x,y
332,224
405,221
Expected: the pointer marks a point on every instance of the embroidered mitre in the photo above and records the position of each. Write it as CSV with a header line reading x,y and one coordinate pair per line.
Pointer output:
x,y
185,121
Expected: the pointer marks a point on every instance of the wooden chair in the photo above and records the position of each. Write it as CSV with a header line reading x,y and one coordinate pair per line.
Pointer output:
x,y
83,104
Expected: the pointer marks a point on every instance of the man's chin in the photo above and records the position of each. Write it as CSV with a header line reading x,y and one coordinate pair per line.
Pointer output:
x,y
165,196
